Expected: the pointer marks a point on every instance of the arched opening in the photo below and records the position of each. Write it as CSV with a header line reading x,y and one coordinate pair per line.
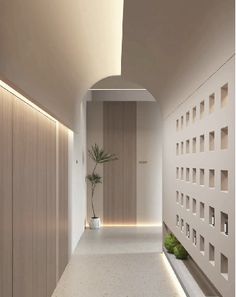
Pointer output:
x,y
125,119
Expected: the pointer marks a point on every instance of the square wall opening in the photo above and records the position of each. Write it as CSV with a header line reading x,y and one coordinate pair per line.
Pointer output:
x,y
202,143
211,216
202,177
211,103
224,181
212,254
202,210
194,145
177,220
194,112
194,238
187,118
187,202
224,226
182,225
211,178
194,175
194,206
187,230
212,141
187,174
187,146
202,109
224,266
224,95
202,244
224,138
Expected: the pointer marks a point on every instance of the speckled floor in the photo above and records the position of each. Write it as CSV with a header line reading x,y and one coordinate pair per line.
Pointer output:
x,y
118,262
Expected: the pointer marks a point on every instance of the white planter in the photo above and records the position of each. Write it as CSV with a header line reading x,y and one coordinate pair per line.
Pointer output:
x,y
95,223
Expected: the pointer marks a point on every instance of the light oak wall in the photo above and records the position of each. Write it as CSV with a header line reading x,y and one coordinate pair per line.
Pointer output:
x,y
34,199
119,206
5,193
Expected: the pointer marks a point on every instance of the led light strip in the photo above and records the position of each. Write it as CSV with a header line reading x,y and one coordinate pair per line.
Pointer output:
x,y
27,101
173,276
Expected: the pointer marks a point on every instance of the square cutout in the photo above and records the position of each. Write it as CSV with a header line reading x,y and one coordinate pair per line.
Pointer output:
x,y
182,225
194,175
212,141
194,206
202,109
224,138
202,211
187,146
224,95
224,228
211,178
187,230
212,103
212,216
194,112
187,174
187,202
202,245
202,143
212,254
177,149
202,177
194,237
224,181
194,145
224,266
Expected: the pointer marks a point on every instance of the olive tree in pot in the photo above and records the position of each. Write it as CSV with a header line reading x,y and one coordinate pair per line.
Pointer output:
x,y
98,156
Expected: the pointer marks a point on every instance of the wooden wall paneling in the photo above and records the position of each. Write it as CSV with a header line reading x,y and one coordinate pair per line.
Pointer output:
x,y
130,161
24,195
6,100
51,208
113,189
63,224
119,204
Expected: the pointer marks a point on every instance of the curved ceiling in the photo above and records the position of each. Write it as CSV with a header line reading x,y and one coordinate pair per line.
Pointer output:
x,y
54,51
172,47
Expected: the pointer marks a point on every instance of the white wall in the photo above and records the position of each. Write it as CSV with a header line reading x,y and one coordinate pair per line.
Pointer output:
x,y
77,184
217,159
149,175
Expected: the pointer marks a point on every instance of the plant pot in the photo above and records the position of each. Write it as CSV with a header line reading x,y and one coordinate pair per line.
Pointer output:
x,y
95,223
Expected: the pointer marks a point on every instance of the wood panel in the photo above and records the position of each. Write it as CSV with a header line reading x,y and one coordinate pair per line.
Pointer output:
x,y
34,203
119,204
63,223
6,100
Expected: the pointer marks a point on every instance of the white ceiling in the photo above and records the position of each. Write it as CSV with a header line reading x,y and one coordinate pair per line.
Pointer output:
x,y
54,51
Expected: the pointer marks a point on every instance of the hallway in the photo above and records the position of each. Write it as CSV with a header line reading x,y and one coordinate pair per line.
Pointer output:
x,y
119,262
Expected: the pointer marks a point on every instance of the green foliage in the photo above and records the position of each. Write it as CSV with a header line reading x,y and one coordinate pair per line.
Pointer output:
x,y
170,242
99,156
180,252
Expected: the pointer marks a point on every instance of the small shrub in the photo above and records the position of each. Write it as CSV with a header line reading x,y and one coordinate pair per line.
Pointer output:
x,y
170,242
180,252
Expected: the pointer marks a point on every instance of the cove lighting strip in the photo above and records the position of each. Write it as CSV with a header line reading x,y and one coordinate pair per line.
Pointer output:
x,y
173,277
27,101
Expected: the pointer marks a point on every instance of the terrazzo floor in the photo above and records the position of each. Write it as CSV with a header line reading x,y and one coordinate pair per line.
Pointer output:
x,y
118,262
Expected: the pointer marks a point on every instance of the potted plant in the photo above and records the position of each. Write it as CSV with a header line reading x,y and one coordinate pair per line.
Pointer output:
x,y
98,156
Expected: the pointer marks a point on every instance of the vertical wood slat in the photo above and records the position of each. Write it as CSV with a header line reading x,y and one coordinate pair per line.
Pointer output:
x,y
63,223
119,204
6,101
34,203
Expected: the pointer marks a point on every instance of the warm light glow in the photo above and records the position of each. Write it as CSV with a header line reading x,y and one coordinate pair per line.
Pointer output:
x,y
173,276
131,225
21,97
